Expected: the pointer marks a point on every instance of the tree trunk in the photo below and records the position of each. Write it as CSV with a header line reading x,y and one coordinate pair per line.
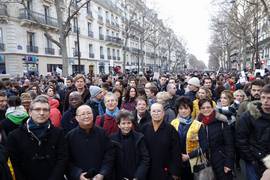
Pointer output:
x,y
62,37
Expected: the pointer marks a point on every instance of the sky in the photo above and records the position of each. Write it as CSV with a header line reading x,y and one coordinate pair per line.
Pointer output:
x,y
190,20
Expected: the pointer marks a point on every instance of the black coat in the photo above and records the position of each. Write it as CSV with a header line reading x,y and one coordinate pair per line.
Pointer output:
x,y
164,150
43,159
4,169
94,107
191,95
253,135
144,120
139,167
68,121
92,151
220,145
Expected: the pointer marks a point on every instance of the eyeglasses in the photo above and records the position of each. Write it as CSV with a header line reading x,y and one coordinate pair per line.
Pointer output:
x,y
40,109
87,114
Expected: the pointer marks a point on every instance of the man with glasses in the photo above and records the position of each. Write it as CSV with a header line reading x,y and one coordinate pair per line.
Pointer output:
x,y
37,149
91,153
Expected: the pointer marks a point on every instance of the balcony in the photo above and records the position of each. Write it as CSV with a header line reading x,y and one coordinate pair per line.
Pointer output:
x,y
89,15
114,57
101,37
101,56
2,47
90,34
32,49
109,57
100,19
91,55
49,51
114,41
32,17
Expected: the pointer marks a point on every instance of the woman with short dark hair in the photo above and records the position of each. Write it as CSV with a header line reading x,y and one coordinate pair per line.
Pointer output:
x,y
192,136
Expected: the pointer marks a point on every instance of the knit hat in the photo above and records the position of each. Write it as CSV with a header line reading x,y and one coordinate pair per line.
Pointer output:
x,y
94,90
25,97
194,81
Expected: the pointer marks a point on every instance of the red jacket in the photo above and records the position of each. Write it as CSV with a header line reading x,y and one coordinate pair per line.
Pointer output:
x,y
55,115
109,124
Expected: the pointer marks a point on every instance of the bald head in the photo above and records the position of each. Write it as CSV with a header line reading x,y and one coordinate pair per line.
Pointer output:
x,y
83,107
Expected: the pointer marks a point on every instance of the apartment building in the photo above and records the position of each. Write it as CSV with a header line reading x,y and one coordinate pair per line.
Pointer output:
x,y
24,48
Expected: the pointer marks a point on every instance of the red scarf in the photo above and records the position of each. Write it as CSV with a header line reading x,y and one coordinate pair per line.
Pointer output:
x,y
207,119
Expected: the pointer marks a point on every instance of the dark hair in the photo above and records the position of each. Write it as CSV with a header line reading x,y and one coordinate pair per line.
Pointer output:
x,y
127,97
105,86
185,102
266,89
3,93
153,89
141,91
124,114
117,90
14,101
202,101
141,98
257,82
50,87
207,78
70,78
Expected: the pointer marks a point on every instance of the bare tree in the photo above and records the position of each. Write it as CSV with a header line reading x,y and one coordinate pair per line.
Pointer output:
x,y
69,7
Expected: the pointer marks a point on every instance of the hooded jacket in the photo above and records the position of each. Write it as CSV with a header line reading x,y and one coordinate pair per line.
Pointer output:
x,y
253,135
55,114
15,116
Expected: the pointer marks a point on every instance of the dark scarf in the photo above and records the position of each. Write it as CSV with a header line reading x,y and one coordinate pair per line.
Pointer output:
x,y
38,130
207,119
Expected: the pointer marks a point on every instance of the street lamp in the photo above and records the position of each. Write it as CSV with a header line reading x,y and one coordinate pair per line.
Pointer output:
x,y
78,38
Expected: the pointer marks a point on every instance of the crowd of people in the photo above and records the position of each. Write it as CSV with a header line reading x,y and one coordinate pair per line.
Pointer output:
x,y
135,127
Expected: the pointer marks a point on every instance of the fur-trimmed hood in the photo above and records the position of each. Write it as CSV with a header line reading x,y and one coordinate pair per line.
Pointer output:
x,y
253,108
221,117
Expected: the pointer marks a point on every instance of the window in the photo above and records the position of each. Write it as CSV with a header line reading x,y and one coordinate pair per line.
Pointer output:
x,y
113,52
75,69
29,4
117,34
100,30
1,36
89,25
108,51
107,32
118,53
31,39
112,34
48,43
53,67
91,48
101,50
75,25
46,13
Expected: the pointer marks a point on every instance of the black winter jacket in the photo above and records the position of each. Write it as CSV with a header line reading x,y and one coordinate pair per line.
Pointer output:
x,y
142,159
253,135
33,158
144,120
220,145
89,151
68,121
164,150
